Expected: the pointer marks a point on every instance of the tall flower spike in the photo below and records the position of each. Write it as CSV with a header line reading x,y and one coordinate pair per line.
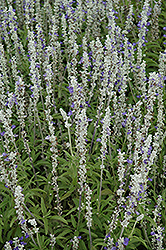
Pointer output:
x,y
52,138
142,31
103,150
81,134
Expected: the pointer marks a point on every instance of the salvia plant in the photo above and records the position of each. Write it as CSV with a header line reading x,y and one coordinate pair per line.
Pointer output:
x,y
82,124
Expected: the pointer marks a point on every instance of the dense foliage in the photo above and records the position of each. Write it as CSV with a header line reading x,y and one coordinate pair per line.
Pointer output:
x,y
82,124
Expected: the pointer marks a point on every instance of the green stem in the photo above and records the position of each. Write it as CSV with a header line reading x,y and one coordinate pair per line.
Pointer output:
x,y
111,161
133,229
90,239
38,240
100,188
70,141
146,236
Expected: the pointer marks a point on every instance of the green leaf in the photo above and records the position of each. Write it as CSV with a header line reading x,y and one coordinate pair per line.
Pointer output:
x,y
151,63
64,179
59,242
151,220
45,225
41,240
67,194
11,212
57,116
42,163
73,221
35,190
97,222
13,220
153,45
1,222
138,239
106,191
59,218
27,183
68,155
4,203
47,214
1,240
66,231
43,207
38,216
94,248
87,232
152,55
99,242
72,210
35,155
138,232
82,245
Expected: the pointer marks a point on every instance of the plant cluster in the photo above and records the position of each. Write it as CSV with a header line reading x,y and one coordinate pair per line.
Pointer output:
x,y
82,124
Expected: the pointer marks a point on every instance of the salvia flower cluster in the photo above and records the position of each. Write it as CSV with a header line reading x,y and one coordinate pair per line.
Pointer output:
x,y
82,124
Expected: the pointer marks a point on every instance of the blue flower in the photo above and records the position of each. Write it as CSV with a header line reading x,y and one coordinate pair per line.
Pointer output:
x,y
72,106
23,243
126,241
3,133
70,113
26,236
13,126
70,90
129,161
